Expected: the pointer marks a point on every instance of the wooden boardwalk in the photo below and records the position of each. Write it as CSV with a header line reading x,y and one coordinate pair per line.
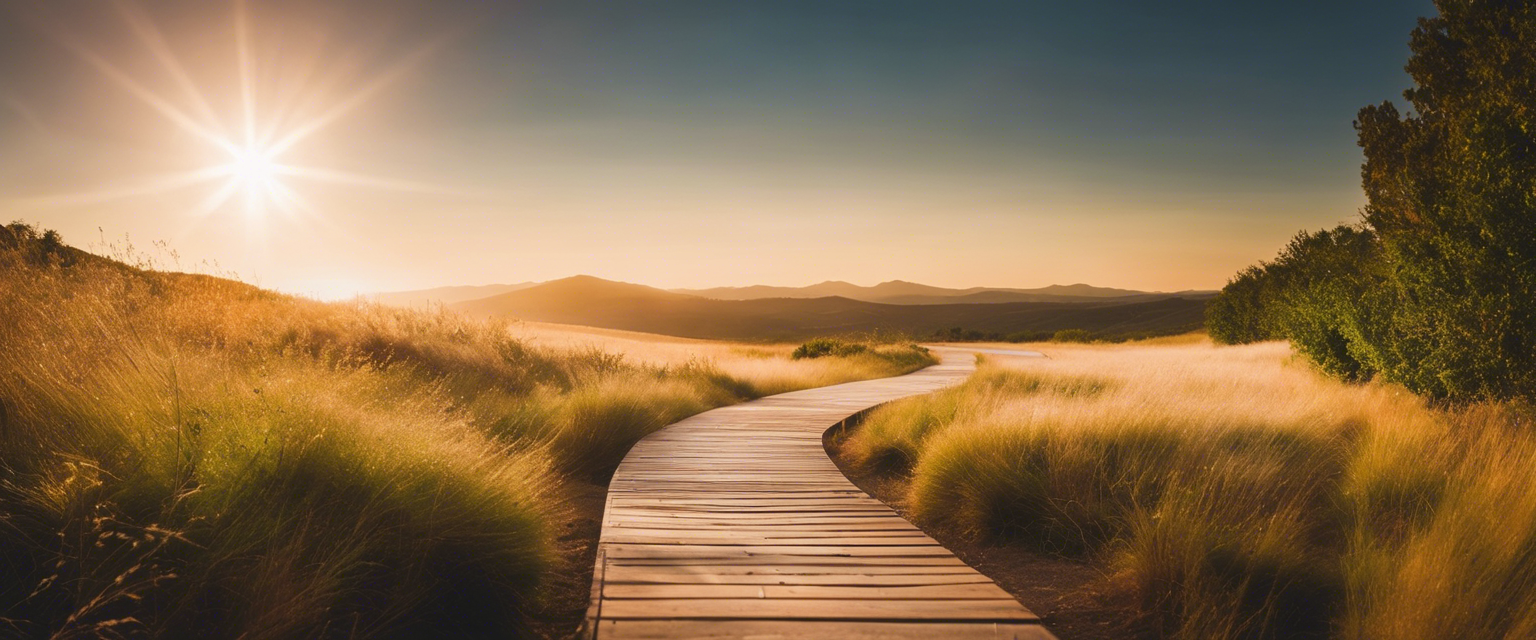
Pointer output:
x,y
734,523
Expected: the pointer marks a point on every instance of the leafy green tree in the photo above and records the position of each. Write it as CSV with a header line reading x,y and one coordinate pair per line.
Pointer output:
x,y
1452,196
1240,313
1323,292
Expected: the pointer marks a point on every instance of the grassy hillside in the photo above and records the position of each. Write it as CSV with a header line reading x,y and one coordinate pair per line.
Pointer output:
x,y
594,302
185,456
1235,492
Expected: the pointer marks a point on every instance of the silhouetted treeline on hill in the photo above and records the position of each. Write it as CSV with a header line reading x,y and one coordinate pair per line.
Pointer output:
x,y
1436,287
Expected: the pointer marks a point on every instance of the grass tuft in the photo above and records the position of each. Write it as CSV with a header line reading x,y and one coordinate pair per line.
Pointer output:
x,y
183,456
1235,493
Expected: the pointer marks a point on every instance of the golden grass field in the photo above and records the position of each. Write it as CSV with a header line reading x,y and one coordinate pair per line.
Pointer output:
x,y
1233,490
184,456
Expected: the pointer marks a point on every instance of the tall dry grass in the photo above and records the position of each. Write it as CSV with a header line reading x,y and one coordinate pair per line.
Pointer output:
x,y
184,456
1235,491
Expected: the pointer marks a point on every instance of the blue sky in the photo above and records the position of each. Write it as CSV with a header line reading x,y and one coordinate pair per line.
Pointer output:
x,y
1150,145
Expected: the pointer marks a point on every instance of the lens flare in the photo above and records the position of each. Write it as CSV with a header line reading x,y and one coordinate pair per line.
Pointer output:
x,y
252,167
250,143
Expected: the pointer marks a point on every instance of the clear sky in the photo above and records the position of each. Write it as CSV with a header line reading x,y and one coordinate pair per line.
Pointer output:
x,y
342,147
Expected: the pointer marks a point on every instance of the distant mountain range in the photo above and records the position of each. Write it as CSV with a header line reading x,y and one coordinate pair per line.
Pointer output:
x,y
444,295
892,292
902,292
775,313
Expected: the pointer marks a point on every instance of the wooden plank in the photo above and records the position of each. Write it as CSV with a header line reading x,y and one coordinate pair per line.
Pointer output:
x,y
684,516
633,525
681,538
749,528
974,591
802,498
636,575
728,571
821,522
1002,610
619,551
817,515
799,630
778,509
733,523
770,560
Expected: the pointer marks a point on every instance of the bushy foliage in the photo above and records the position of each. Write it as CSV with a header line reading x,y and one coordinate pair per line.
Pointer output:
x,y
822,347
1450,190
1437,289
24,241
1239,314
1072,335
1322,292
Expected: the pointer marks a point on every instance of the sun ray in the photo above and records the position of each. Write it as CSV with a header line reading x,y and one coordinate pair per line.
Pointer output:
x,y
153,185
289,201
159,104
216,199
255,170
357,98
149,35
209,204
296,88
350,178
247,73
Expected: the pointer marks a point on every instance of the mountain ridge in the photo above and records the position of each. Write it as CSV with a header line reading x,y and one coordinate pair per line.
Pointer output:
x,y
589,301
889,292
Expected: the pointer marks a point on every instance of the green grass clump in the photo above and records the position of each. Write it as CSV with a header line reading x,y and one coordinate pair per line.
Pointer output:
x,y
1072,335
184,456
888,443
596,425
823,347
1234,495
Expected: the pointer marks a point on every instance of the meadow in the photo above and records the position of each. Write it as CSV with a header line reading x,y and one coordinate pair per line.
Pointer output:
x,y
1231,492
189,456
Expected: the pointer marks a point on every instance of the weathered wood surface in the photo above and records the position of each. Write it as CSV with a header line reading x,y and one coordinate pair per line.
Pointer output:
x,y
734,523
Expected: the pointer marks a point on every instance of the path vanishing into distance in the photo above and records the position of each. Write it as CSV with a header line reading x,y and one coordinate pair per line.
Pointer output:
x,y
735,523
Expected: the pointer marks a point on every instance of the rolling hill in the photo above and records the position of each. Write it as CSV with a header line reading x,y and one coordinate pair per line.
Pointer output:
x,y
444,295
902,292
590,301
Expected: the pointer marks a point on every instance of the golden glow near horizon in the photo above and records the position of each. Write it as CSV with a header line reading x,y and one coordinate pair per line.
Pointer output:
x,y
341,148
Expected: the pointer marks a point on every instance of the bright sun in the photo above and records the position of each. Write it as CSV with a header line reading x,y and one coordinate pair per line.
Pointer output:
x,y
252,163
252,166
254,171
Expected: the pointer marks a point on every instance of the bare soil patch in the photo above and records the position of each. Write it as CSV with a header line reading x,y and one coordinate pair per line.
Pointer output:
x,y
564,604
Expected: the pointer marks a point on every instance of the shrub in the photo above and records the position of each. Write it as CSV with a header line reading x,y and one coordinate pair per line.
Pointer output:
x,y
822,347
1243,312
1072,335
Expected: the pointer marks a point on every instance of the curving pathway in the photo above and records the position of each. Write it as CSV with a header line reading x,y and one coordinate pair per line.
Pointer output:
x,y
734,523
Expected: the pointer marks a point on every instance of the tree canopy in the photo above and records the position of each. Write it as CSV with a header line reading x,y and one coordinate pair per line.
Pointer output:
x,y
1436,288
